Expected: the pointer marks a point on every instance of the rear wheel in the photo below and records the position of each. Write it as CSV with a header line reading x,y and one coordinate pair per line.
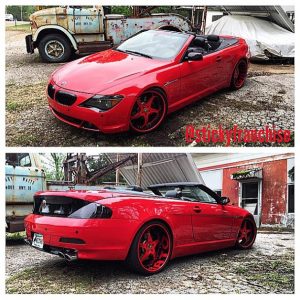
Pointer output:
x,y
55,48
239,75
151,249
247,234
148,111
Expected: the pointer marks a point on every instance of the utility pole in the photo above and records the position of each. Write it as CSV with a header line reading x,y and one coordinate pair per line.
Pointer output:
x,y
21,13
118,171
139,169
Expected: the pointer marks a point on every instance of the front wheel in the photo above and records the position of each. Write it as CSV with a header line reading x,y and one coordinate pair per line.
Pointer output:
x,y
55,48
247,234
239,75
151,249
148,111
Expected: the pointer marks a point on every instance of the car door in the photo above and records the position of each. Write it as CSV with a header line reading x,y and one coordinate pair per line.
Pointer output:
x,y
211,221
197,77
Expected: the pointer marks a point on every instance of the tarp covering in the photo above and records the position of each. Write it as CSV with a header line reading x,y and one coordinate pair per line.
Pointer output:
x,y
264,38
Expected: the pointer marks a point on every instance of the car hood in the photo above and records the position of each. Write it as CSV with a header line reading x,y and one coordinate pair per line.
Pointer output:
x,y
100,71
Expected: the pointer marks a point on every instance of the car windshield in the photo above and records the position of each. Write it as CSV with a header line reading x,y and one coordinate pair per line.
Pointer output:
x,y
155,44
187,193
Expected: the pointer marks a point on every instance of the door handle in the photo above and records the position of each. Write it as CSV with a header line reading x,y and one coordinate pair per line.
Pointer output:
x,y
219,58
197,209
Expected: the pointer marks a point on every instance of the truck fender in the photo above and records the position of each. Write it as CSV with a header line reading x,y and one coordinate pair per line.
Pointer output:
x,y
59,28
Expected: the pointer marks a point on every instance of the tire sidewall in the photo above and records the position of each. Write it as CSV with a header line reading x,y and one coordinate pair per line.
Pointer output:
x,y
67,48
132,259
163,116
254,232
232,84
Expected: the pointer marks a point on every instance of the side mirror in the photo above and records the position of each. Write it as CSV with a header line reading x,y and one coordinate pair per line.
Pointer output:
x,y
224,200
193,56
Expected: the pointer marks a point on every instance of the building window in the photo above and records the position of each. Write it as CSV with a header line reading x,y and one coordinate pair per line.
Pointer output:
x,y
291,202
250,197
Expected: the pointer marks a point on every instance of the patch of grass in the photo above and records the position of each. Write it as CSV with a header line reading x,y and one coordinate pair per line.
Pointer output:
x,y
27,140
16,235
19,27
23,98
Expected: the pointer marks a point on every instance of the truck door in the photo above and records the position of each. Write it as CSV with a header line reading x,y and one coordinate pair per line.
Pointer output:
x,y
85,20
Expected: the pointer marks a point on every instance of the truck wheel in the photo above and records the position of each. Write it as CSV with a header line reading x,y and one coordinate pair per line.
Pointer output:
x,y
54,48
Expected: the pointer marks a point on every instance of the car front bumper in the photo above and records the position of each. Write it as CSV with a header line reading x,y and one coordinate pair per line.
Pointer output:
x,y
114,120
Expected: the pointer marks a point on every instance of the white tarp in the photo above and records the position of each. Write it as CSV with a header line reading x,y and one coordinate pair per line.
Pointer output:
x,y
261,36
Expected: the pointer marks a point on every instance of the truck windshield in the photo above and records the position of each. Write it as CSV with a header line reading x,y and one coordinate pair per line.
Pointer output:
x,y
155,44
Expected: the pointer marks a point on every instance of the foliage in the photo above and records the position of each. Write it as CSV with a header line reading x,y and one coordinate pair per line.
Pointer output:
x,y
54,165
20,12
98,162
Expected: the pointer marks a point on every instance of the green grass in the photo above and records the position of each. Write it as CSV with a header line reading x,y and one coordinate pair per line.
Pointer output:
x,y
16,235
19,27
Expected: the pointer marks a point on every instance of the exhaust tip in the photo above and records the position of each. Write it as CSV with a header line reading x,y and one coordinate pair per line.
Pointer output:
x,y
60,254
69,257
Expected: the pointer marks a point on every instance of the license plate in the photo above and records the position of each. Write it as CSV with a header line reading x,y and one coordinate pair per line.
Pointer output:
x,y
38,241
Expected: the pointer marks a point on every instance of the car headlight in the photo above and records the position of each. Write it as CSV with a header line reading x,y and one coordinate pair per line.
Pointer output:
x,y
101,102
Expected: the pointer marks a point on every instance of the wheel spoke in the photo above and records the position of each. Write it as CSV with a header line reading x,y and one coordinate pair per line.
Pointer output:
x,y
149,237
150,101
136,116
146,120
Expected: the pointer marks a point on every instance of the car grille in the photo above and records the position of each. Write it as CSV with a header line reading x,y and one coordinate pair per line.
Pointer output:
x,y
51,91
65,98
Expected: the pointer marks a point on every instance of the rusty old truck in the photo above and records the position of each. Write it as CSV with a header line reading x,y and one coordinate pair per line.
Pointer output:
x,y
24,176
59,32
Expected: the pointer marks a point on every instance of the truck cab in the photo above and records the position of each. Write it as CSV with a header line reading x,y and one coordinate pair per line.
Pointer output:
x,y
58,32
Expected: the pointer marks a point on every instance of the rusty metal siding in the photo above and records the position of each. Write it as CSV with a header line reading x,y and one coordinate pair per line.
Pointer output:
x,y
161,168
119,29
20,185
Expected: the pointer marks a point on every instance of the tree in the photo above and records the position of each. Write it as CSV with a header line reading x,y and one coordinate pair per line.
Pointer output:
x,y
53,163
20,12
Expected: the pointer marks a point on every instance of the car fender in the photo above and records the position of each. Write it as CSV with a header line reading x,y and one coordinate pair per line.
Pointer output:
x,y
59,28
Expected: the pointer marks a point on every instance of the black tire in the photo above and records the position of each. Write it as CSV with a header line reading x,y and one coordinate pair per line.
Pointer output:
x,y
241,68
59,45
133,261
162,105
244,243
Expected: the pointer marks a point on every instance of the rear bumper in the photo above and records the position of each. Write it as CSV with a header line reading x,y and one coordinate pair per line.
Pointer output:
x,y
112,121
29,44
101,239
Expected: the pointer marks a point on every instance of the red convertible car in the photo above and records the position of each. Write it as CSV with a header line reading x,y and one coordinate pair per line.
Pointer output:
x,y
135,85
145,230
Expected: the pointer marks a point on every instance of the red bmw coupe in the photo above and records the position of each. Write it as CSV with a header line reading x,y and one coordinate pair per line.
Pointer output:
x,y
144,229
135,85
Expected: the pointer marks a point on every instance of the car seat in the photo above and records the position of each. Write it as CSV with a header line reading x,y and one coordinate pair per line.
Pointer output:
x,y
213,41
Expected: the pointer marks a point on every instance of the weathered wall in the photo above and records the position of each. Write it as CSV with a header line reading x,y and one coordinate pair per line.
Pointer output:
x,y
274,189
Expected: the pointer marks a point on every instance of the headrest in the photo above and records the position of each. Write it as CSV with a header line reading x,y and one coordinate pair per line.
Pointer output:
x,y
172,194
199,42
213,38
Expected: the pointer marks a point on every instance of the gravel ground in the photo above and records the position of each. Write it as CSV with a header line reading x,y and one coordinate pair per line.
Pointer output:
x,y
266,99
267,268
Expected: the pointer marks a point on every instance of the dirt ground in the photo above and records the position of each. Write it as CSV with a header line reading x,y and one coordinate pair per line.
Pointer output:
x,y
267,268
266,99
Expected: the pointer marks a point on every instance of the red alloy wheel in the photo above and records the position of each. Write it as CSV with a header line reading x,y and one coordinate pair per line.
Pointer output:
x,y
247,234
154,248
148,111
239,74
